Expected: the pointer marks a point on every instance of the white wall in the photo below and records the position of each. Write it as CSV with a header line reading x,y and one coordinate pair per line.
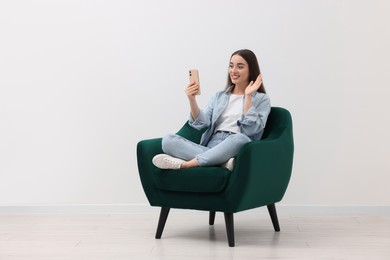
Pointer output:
x,y
81,82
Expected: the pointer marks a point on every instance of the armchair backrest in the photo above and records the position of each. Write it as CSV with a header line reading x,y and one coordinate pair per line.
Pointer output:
x,y
278,119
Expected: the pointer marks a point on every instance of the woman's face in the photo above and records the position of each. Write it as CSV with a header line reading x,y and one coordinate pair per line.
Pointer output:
x,y
239,71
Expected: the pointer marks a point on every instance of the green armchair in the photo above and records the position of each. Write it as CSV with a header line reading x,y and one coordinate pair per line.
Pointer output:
x,y
260,176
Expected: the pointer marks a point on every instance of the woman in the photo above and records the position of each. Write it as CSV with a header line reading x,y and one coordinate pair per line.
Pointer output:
x,y
233,117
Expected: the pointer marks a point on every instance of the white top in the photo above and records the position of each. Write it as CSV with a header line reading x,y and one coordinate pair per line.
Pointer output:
x,y
228,119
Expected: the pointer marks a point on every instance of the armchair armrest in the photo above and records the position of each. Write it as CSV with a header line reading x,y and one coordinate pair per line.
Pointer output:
x,y
146,150
262,171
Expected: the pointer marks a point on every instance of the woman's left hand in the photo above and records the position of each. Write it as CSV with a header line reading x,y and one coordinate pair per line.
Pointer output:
x,y
254,86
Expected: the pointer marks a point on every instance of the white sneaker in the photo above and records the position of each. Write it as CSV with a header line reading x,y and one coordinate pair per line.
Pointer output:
x,y
165,161
229,164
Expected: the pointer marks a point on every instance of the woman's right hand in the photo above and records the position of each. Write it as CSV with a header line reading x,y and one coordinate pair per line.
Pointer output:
x,y
191,90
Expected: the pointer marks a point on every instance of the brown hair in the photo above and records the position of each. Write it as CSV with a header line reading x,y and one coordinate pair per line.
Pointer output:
x,y
254,68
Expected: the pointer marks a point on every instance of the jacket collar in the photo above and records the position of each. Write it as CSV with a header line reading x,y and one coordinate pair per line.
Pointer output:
x,y
229,89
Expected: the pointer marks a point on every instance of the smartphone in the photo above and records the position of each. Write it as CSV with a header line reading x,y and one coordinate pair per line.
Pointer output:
x,y
194,76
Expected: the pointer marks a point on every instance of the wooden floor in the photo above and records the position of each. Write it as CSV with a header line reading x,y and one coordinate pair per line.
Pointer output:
x,y
187,235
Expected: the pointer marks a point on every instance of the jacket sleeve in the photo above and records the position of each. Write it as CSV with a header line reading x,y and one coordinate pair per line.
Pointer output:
x,y
204,118
254,121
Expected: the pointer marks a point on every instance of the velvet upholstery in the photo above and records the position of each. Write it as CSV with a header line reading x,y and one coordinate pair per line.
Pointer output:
x,y
260,176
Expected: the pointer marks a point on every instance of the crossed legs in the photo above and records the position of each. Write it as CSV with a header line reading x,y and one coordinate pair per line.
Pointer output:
x,y
220,149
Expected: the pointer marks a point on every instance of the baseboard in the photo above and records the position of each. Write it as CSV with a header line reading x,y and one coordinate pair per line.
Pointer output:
x,y
334,209
78,208
145,208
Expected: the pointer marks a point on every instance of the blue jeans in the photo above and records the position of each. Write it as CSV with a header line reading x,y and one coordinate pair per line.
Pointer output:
x,y
221,147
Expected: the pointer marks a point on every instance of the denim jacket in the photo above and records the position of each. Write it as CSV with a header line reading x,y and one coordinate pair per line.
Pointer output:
x,y
252,124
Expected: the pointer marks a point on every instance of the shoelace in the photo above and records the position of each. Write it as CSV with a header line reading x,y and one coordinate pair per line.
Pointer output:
x,y
172,161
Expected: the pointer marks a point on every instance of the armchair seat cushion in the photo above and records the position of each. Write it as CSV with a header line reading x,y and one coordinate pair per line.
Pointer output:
x,y
197,179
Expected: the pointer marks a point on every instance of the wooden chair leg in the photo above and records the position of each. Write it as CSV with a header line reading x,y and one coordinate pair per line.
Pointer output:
x,y
211,218
274,216
161,222
229,221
